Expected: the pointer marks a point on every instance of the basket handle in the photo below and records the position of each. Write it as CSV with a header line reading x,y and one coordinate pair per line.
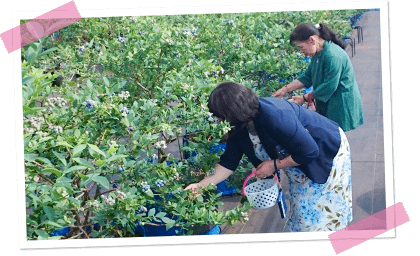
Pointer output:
x,y
249,177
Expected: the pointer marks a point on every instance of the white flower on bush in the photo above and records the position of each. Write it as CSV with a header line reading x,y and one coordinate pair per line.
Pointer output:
x,y
64,194
113,144
160,144
95,204
124,94
36,178
226,129
36,122
121,194
56,128
165,127
55,101
239,45
186,87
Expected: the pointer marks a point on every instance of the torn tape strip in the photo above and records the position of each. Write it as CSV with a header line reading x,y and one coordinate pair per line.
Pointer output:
x,y
40,27
368,228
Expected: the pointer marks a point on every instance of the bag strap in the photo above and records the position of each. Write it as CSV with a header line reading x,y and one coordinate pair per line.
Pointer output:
x,y
311,101
249,177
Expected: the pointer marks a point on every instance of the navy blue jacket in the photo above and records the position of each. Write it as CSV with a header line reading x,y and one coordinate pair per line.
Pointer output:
x,y
311,139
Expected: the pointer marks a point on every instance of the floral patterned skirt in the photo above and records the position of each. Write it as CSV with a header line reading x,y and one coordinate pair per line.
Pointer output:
x,y
322,207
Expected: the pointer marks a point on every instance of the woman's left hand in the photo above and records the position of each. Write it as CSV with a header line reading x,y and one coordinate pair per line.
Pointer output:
x,y
298,100
266,169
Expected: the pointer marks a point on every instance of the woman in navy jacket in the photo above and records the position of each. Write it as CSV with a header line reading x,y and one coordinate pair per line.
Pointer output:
x,y
318,167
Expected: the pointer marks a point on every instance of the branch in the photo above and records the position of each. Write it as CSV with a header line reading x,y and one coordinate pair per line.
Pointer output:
x,y
76,236
136,80
107,191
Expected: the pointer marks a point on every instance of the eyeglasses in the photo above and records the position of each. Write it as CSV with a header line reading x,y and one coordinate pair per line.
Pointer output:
x,y
218,119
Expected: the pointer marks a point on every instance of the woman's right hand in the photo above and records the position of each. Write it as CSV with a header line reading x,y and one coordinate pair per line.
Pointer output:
x,y
280,92
193,187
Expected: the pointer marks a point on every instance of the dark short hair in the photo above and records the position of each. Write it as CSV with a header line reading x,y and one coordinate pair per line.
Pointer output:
x,y
234,102
305,30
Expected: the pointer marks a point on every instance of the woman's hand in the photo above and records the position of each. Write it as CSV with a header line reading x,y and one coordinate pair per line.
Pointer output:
x,y
280,92
266,169
194,188
298,100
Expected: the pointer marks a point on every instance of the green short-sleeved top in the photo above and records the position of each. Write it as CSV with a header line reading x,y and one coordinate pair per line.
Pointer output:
x,y
335,89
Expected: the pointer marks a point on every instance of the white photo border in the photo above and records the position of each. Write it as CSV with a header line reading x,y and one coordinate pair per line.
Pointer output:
x,y
204,9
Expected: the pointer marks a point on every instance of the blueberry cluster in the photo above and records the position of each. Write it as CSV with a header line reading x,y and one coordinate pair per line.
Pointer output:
x,y
298,54
188,32
239,45
145,187
229,22
141,209
115,185
122,39
81,49
120,169
89,104
124,111
173,192
160,183
152,159
176,53
142,32
269,77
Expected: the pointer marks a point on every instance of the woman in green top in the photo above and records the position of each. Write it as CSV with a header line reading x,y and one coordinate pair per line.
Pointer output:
x,y
330,73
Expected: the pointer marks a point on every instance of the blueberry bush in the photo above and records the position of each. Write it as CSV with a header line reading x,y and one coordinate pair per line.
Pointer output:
x,y
104,98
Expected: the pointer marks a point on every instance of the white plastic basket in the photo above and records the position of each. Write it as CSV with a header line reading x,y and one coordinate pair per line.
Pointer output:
x,y
263,193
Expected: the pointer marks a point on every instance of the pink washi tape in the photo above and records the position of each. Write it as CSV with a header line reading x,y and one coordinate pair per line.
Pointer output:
x,y
40,27
368,228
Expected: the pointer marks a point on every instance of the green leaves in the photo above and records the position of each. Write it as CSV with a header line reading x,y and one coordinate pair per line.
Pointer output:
x,y
96,149
49,212
101,181
61,157
78,149
115,157
75,168
84,162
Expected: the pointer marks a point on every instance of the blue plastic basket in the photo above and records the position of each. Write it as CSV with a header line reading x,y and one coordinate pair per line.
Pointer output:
x,y
224,189
214,231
